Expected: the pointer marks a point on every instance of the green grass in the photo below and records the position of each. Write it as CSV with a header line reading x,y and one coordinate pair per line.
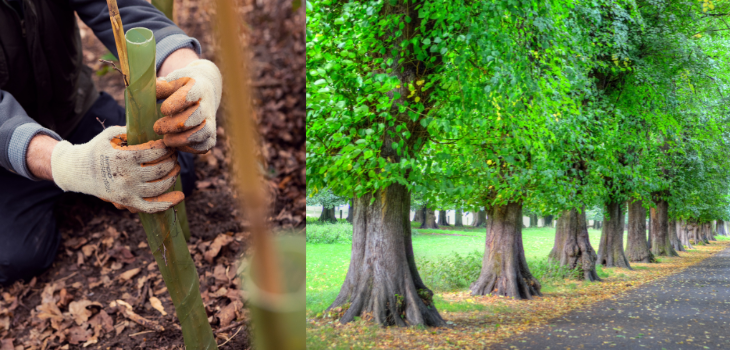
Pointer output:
x,y
448,259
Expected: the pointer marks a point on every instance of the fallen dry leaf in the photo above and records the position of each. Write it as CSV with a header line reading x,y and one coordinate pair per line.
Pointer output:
x,y
78,334
220,273
219,242
129,274
103,319
126,310
79,310
75,242
121,254
49,311
4,323
227,314
157,304
88,249
7,344
219,293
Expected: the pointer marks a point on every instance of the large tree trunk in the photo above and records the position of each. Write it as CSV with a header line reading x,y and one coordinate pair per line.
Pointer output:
x,y
458,218
504,268
350,209
596,224
429,219
328,215
419,215
382,281
637,249
443,221
684,234
674,235
480,219
661,245
572,246
711,231
549,221
707,232
533,220
721,230
611,248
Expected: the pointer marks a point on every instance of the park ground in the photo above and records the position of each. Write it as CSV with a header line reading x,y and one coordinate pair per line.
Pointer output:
x,y
449,260
103,255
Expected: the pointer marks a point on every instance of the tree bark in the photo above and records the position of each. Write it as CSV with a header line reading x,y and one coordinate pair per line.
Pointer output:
x,y
684,234
419,215
549,221
674,236
382,281
350,210
443,220
328,215
480,219
572,246
504,268
596,224
661,245
721,230
637,249
533,220
611,248
711,231
707,232
429,219
458,219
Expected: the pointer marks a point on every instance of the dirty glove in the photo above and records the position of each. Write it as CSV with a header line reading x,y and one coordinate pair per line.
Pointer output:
x,y
192,97
133,177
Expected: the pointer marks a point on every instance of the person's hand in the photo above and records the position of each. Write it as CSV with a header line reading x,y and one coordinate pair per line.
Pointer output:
x,y
132,177
192,97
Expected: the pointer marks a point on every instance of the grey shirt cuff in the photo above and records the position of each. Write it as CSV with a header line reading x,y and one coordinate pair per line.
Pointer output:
x,y
174,42
18,147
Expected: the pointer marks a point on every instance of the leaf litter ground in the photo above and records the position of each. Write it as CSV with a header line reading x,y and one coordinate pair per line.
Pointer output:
x,y
104,290
490,321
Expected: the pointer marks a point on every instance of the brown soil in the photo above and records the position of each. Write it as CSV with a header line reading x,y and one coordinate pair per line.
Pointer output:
x,y
115,241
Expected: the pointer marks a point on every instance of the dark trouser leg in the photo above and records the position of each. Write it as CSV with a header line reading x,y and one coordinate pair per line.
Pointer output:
x,y
28,234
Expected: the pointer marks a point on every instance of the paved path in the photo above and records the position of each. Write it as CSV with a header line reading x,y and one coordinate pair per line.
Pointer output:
x,y
689,310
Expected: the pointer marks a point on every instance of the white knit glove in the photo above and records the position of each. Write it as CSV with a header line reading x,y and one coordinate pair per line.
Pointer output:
x,y
133,177
192,95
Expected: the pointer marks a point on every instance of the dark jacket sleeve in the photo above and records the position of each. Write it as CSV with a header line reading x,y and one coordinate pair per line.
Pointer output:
x,y
16,131
134,13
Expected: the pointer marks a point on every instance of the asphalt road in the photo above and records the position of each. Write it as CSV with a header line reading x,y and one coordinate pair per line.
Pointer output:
x,y
689,310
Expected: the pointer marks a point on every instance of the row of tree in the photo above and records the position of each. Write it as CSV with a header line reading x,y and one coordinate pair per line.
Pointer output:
x,y
557,106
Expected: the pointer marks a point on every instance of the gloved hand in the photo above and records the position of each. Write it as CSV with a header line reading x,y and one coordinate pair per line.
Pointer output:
x,y
132,177
192,97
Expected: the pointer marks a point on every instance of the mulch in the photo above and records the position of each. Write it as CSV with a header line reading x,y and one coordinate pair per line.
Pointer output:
x,y
104,261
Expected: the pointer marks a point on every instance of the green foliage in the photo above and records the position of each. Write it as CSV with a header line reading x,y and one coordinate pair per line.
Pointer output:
x,y
325,198
327,233
450,272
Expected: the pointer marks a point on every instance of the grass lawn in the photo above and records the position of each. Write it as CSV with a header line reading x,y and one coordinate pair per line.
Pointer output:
x,y
327,264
